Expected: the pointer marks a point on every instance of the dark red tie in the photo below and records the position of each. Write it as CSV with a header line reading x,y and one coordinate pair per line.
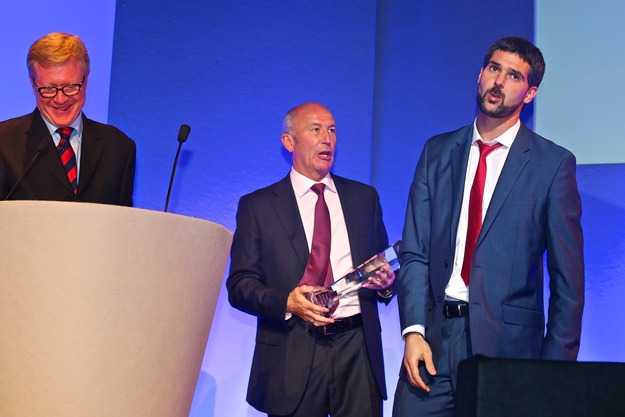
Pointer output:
x,y
475,209
318,270
68,158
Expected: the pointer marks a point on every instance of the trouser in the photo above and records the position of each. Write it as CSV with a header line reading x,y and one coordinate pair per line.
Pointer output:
x,y
439,402
341,382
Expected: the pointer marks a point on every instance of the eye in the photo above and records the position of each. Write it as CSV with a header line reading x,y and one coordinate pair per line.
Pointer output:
x,y
494,68
515,77
332,130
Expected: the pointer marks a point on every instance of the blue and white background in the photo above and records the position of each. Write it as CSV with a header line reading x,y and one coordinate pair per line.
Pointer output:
x,y
393,72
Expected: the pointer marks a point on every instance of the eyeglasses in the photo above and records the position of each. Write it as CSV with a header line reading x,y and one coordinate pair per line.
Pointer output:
x,y
51,91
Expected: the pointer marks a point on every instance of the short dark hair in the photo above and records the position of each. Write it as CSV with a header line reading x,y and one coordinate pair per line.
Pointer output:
x,y
526,50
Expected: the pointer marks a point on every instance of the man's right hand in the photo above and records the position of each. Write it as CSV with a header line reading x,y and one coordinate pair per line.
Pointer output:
x,y
298,304
415,351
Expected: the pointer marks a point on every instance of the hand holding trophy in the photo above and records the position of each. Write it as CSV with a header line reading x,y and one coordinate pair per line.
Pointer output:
x,y
353,280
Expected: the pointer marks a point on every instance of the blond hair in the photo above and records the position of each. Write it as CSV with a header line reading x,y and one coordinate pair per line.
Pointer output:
x,y
56,49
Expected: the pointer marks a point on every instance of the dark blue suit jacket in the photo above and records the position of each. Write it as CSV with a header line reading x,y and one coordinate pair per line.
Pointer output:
x,y
535,208
268,258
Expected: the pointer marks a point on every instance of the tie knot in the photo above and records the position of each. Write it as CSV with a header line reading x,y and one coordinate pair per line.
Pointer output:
x,y
65,132
318,188
486,149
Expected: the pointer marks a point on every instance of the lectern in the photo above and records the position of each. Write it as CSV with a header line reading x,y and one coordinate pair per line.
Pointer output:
x,y
104,310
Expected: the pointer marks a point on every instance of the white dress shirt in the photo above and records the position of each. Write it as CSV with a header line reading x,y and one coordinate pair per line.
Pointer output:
x,y
456,288
340,251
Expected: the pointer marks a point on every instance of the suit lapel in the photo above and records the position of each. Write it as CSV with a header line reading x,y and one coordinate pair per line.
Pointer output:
x,y
517,159
37,132
287,212
90,152
351,211
459,156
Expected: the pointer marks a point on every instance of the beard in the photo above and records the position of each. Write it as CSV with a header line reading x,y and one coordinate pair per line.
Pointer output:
x,y
501,110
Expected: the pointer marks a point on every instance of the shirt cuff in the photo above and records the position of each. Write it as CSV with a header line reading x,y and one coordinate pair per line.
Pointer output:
x,y
417,328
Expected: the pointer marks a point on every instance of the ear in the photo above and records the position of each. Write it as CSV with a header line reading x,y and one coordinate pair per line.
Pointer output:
x,y
529,96
288,142
479,76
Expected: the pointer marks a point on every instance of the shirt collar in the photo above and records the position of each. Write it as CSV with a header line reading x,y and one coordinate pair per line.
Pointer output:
x,y
506,138
301,184
76,124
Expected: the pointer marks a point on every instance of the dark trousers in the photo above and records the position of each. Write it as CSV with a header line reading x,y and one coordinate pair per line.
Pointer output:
x,y
341,382
439,402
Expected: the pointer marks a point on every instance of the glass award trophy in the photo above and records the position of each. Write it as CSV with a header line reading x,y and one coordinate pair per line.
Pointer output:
x,y
354,279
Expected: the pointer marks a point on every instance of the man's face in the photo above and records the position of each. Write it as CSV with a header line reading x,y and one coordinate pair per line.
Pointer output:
x,y
503,87
60,109
312,142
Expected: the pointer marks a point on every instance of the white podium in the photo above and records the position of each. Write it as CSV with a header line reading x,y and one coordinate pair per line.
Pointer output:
x,y
104,310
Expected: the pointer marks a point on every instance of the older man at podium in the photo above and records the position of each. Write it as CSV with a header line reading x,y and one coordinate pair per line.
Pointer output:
x,y
55,152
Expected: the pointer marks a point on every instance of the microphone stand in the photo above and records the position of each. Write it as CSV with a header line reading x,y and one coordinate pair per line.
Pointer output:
x,y
183,134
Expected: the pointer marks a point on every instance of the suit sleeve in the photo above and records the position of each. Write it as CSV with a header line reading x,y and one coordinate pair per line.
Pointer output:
x,y
246,283
380,240
380,237
412,283
128,178
565,263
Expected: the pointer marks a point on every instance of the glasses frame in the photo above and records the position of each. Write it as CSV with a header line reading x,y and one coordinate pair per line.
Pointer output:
x,y
62,88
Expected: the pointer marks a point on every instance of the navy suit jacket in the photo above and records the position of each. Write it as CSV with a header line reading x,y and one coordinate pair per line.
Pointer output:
x,y
535,209
268,258
107,165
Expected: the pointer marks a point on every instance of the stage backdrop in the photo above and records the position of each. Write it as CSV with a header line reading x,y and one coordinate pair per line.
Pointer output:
x,y
394,73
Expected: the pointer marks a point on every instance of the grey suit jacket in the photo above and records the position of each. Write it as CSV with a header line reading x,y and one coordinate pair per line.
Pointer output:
x,y
268,258
535,209
107,165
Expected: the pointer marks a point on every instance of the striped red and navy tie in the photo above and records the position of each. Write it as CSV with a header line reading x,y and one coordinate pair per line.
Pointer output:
x,y
68,158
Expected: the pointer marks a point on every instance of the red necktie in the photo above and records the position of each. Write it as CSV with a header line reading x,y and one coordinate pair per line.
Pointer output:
x,y
68,158
475,209
318,270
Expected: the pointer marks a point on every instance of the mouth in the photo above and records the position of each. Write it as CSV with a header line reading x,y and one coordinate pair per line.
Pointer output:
x,y
62,108
494,95
325,154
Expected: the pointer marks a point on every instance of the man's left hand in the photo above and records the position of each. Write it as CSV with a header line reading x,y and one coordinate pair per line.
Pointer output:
x,y
383,279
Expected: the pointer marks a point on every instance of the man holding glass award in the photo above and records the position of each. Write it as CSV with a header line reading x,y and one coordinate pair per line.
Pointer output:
x,y
318,345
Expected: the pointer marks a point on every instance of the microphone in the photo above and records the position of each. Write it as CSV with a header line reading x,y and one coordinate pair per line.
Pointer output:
x,y
183,134
42,149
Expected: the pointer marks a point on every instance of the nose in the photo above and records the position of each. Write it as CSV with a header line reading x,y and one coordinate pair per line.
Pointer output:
x,y
60,98
325,137
500,79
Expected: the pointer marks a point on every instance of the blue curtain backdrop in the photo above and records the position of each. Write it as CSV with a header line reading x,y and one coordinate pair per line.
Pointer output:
x,y
393,72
